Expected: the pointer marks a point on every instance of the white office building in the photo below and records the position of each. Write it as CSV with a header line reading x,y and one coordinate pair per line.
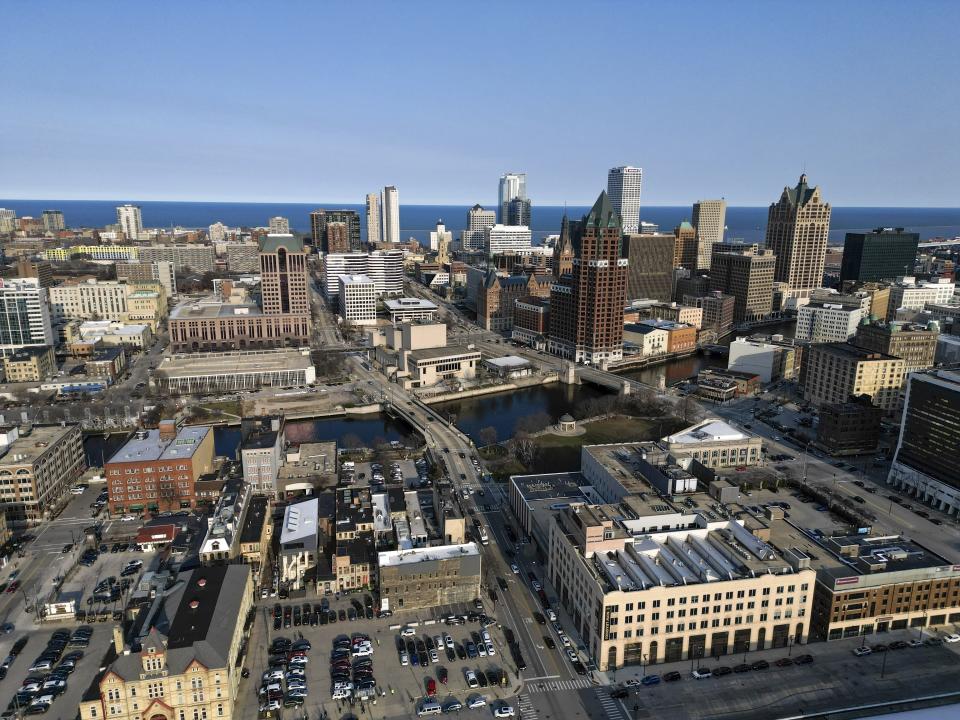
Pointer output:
x,y
709,218
279,226
623,188
358,299
912,295
217,232
373,218
24,315
508,238
474,236
405,309
826,323
337,264
129,220
390,208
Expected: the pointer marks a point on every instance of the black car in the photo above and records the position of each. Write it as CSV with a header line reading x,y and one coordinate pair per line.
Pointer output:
x,y
619,694
722,670
332,617
808,659
548,641
539,618
760,665
342,615
672,676
481,678
742,668
461,652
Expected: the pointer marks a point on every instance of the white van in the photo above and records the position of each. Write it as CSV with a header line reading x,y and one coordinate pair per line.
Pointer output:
x,y
429,707
340,694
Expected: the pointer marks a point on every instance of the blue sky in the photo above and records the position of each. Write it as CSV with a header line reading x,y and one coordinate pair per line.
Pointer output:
x,y
323,102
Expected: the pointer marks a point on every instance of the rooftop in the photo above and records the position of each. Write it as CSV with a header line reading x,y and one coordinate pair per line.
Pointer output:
x,y
508,361
146,445
300,522
233,363
441,352
31,444
549,485
214,306
417,555
711,430
851,352
256,516
273,242
406,303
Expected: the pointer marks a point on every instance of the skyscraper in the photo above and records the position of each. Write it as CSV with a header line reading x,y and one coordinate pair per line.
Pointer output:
x,y
24,315
53,220
283,276
709,217
129,220
474,236
390,205
650,273
279,225
623,187
373,218
884,254
217,232
512,185
685,246
8,220
319,221
518,212
586,307
563,251
797,229
748,276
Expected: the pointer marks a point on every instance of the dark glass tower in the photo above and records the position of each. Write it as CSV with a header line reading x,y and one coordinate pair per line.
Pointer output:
x,y
884,254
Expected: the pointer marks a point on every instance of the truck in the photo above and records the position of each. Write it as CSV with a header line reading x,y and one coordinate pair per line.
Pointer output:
x,y
482,532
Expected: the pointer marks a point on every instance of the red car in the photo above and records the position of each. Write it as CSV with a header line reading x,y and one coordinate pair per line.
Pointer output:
x,y
14,586
431,687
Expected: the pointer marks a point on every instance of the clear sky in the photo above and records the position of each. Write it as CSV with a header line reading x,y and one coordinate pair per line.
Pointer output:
x,y
325,101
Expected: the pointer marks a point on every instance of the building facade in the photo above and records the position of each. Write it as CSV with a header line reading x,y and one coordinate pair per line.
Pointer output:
x,y
357,299
130,221
916,344
797,229
850,428
512,186
827,322
835,372
507,238
196,258
421,578
884,254
709,221
623,187
279,225
24,315
145,273
748,276
29,364
390,214
650,270
474,236
685,250
343,237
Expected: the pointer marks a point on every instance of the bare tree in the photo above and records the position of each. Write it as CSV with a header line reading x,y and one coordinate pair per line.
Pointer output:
x,y
524,449
687,409
488,435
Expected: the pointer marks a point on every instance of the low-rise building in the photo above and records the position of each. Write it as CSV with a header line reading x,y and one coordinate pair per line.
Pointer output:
x,y
261,452
835,372
108,333
648,339
255,536
422,578
221,544
509,367
913,295
353,565
30,364
186,656
715,444
405,309
531,321
771,360
745,383
827,322
850,428
300,543
308,468
682,314
216,372
429,366
38,465
107,364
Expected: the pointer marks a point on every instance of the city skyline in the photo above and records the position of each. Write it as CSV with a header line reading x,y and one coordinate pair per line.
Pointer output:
x,y
127,134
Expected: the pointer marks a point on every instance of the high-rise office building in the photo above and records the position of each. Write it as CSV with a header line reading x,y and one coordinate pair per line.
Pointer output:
x,y
24,315
504,238
474,236
747,275
884,254
586,307
709,218
279,225
929,445
384,267
319,221
623,187
390,205
512,185
518,212
827,322
284,279
797,229
130,221
685,246
53,221
650,273
373,218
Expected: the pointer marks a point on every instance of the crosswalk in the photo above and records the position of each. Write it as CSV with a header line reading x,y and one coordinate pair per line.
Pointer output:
x,y
527,710
611,708
540,686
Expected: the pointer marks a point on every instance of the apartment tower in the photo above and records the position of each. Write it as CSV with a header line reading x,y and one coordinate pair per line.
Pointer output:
x,y
390,206
373,218
130,221
512,186
797,229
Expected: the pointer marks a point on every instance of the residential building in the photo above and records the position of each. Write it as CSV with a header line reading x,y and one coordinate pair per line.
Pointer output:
x,y
474,236
242,257
96,252
421,578
8,220
29,364
684,314
279,226
531,321
130,221
384,267
646,339
512,185
38,465
221,544
343,237
390,208
772,359
495,300
255,536
507,238
748,276
108,364
797,229
186,662
709,221
24,315
715,444
404,309
685,251
185,258
874,584
115,300
827,322
217,233
233,371
623,188
358,299
144,273
925,463
650,272
835,372
39,269
373,218
913,295
586,307
718,310
849,428
261,452
916,344
884,254
158,469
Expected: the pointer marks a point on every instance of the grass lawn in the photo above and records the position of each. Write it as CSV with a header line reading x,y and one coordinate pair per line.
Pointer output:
x,y
217,410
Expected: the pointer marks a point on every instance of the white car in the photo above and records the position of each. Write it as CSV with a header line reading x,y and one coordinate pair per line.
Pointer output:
x,y
127,518
472,679
448,641
551,615
404,658
565,640
76,491
268,706
485,634
503,711
434,658
273,675
516,570
482,649
951,638
476,701
408,632
572,654
537,587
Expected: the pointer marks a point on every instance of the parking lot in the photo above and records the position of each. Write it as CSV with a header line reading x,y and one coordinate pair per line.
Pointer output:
x,y
399,686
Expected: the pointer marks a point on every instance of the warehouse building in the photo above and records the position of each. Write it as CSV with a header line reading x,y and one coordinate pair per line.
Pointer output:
x,y
214,372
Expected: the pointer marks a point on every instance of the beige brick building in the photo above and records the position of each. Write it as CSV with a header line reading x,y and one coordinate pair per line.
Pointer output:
x,y
835,372
914,343
30,364
428,577
797,229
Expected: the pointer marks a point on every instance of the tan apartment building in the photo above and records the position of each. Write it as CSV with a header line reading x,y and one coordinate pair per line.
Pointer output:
x,y
186,663
747,275
703,591
37,467
115,300
915,344
836,372
30,364
422,578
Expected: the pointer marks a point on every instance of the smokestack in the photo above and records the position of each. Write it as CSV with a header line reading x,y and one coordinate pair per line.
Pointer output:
x,y
168,429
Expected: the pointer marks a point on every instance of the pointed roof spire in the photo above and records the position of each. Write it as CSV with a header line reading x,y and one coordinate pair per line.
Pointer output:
x,y
602,214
